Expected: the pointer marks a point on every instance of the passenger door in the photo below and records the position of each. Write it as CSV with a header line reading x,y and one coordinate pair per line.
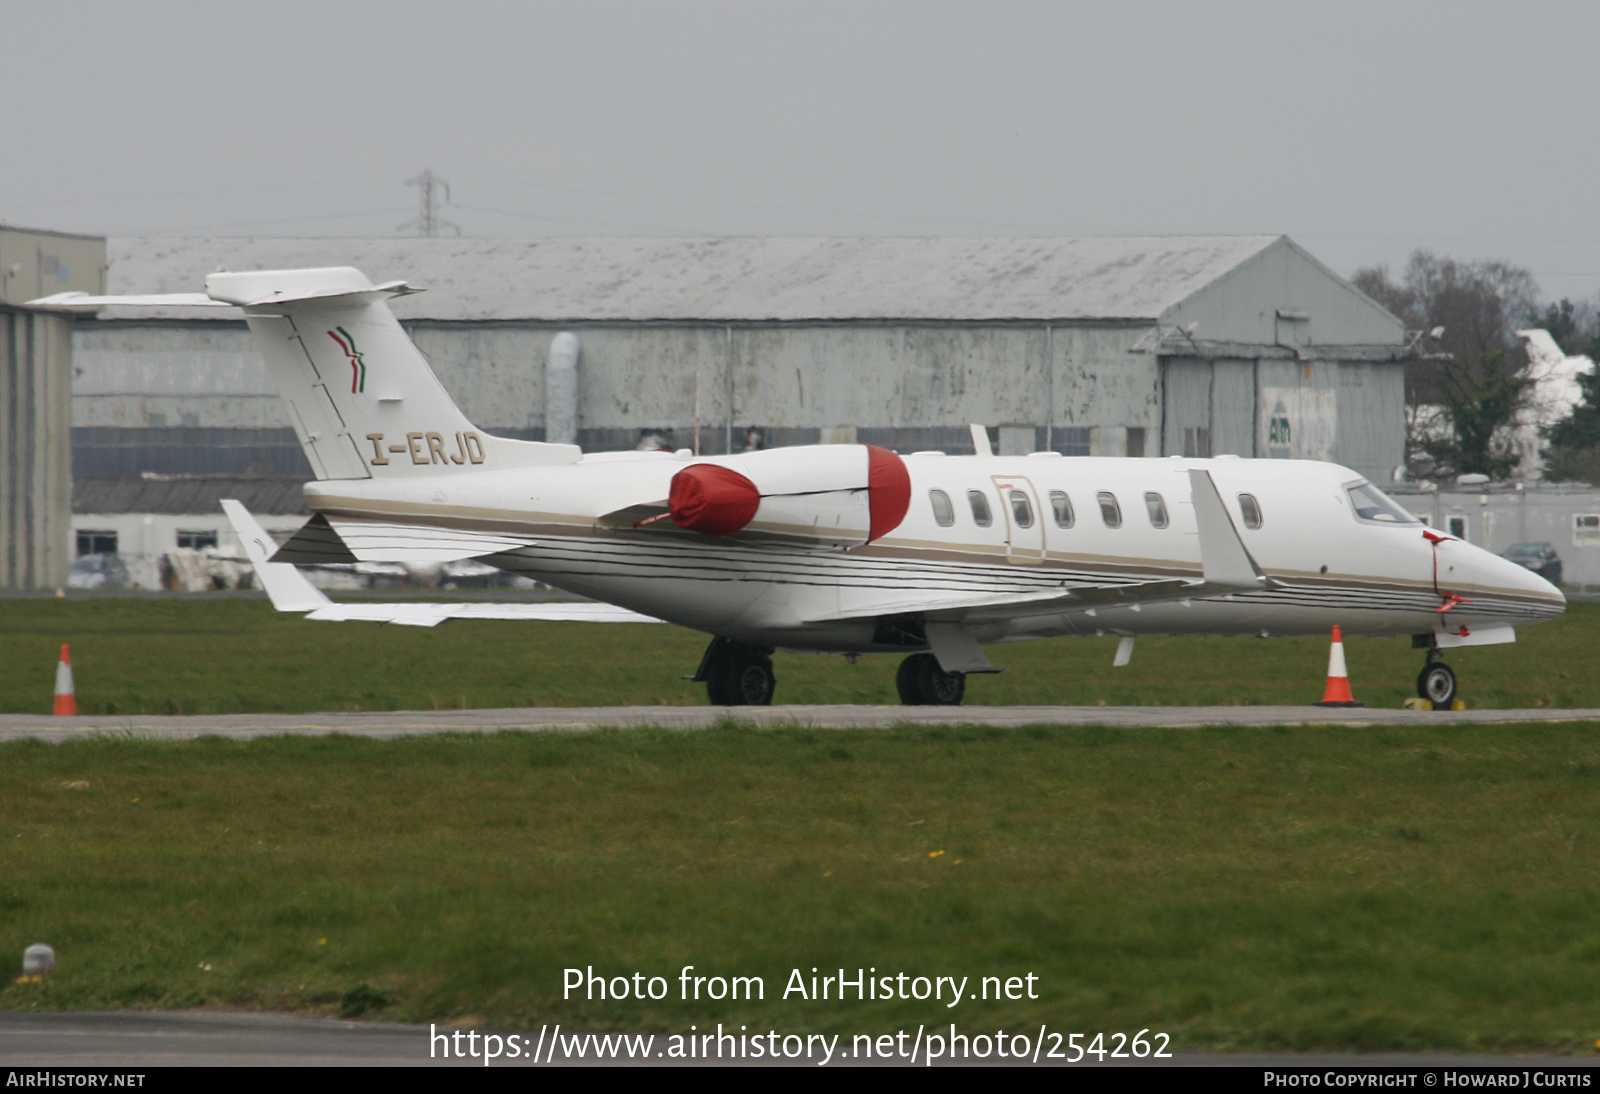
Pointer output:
x,y
1019,502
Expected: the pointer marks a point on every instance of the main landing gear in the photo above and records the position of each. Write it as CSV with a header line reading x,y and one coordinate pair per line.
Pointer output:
x,y
1437,681
737,675
922,683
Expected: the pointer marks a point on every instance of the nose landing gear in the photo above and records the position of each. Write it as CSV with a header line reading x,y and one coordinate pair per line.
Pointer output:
x,y
1437,681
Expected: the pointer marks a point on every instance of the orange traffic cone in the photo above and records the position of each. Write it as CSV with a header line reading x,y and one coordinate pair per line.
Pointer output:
x,y
1338,690
66,701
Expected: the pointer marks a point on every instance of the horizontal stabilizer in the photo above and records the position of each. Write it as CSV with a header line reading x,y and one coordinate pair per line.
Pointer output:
x,y
362,400
249,289
263,288
315,544
82,301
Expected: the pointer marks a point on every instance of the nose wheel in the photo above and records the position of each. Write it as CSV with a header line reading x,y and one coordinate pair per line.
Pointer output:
x,y
1437,684
922,683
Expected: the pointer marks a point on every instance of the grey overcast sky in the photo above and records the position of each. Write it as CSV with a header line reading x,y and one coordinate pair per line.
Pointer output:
x,y
1360,129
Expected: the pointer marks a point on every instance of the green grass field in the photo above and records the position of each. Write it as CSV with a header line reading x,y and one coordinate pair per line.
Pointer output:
x,y
1300,887
234,654
1292,888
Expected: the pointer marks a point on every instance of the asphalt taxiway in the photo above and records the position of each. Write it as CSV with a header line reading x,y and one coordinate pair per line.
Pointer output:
x,y
405,723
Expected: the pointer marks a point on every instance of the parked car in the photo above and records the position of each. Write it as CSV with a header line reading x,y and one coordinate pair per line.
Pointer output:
x,y
1541,558
97,572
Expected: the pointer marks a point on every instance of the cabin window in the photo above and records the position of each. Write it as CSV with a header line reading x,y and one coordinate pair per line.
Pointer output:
x,y
1370,503
1021,509
980,508
1250,509
1061,505
1110,511
1157,508
943,512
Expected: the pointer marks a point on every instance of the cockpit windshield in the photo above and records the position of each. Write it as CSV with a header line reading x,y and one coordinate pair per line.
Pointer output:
x,y
1370,503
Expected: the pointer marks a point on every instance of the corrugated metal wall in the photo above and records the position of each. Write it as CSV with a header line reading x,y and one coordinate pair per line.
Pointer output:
x,y
35,448
171,397
1273,357
1282,408
1209,407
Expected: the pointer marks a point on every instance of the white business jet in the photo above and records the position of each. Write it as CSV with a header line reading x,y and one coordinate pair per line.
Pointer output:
x,y
847,549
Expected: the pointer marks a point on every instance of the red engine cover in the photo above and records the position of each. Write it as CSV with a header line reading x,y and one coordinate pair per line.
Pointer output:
x,y
888,490
710,498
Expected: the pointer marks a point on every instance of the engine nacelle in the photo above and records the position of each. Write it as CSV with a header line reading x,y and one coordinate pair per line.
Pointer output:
x,y
712,499
822,495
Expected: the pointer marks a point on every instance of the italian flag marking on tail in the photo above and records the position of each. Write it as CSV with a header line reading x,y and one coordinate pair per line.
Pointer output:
x,y
358,367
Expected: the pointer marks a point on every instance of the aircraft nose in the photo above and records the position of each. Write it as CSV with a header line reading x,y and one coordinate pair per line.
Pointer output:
x,y
1501,574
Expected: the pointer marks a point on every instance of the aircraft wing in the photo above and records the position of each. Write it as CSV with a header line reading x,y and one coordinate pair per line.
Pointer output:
x,y
982,607
432,613
289,591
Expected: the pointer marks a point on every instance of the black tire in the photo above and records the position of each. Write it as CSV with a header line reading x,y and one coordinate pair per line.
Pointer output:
x,y
921,682
1437,684
714,689
744,679
905,682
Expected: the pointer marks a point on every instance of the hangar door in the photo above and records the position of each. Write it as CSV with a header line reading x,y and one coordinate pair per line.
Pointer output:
x,y
1207,406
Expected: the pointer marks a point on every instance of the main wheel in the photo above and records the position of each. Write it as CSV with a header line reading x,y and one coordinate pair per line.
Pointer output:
x,y
921,682
905,682
1437,684
744,679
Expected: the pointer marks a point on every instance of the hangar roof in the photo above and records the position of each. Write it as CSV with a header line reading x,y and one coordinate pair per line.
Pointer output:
x,y
180,494
724,278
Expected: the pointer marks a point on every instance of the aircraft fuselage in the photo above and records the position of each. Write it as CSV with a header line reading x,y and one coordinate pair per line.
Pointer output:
x,y
1122,521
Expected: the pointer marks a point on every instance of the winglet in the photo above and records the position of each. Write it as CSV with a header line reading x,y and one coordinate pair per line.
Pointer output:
x,y
285,585
1224,560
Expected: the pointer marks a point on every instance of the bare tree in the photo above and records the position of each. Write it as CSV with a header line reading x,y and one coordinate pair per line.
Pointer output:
x,y
1461,396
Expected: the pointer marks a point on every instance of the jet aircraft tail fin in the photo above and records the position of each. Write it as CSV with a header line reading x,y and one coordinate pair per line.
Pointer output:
x,y
360,395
